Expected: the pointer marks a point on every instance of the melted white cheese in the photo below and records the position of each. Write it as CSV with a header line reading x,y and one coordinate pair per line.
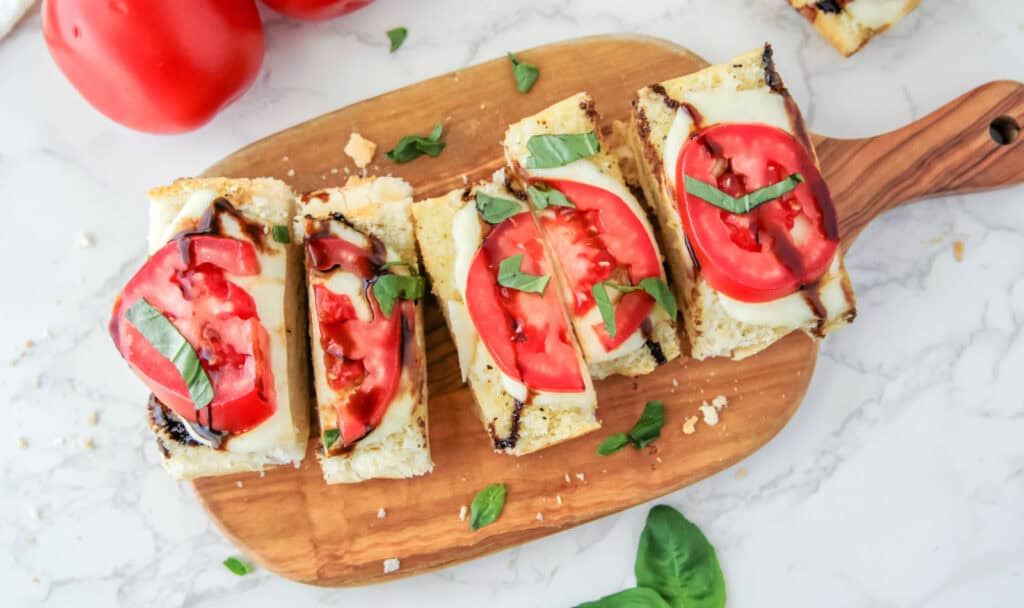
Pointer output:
x,y
584,171
875,14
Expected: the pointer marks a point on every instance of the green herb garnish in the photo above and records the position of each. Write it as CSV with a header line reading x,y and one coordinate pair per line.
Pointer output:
x,y
237,566
525,74
543,196
675,559
412,147
487,506
397,37
655,287
390,287
547,151
646,429
747,202
282,234
509,275
331,437
637,597
166,339
494,209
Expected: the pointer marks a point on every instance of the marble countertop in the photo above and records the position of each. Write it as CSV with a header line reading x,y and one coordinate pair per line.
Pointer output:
x,y
900,482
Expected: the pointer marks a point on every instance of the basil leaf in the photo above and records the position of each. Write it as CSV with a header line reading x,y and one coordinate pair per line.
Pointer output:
x,y
648,426
282,234
390,287
487,506
525,74
543,196
237,566
509,275
331,437
495,210
166,339
547,151
676,560
412,147
613,444
637,597
604,305
747,202
397,37
658,289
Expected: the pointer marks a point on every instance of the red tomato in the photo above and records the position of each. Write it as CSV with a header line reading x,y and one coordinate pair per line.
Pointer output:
x,y
315,10
525,333
162,66
215,316
602,239
362,358
771,251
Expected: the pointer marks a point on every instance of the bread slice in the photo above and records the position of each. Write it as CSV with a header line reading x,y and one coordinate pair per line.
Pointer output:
x,y
370,211
515,427
848,25
746,89
655,342
278,294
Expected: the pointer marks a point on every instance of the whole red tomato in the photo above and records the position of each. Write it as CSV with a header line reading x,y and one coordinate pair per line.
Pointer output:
x,y
315,10
162,66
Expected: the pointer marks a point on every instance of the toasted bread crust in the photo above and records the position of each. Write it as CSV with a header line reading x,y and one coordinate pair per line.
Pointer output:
x,y
842,29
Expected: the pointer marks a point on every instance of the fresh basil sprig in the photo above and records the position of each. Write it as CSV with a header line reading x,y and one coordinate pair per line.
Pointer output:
x,y
237,566
397,37
331,437
676,567
412,147
494,209
747,202
487,506
676,559
655,287
543,196
390,287
548,151
282,234
525,74
169,342
510,275
646,429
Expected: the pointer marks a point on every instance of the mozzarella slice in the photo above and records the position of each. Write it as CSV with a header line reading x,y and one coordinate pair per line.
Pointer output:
x,y
876,14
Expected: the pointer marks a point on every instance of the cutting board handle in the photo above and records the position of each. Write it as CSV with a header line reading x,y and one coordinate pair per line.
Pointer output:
x,y
971,144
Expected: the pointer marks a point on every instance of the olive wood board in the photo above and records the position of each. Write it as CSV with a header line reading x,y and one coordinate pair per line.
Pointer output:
x,y
292,523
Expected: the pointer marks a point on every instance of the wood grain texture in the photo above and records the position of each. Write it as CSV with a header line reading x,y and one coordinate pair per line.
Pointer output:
x,y
293,524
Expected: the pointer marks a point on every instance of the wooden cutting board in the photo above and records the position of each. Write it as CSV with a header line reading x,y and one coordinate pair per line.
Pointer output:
x,y
293,524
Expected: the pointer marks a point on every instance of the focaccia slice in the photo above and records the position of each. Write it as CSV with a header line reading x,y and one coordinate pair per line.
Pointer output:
x,y
848,25
369,367
665,118
518,419
606,237
237,322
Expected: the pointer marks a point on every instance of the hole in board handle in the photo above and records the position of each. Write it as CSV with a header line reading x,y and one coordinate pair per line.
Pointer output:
x,y
1004,130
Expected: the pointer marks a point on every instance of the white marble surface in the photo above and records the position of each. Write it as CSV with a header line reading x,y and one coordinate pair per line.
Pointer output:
x,y
900,482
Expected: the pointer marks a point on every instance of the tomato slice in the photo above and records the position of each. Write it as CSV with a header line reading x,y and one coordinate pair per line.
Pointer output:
x,y
602,239
778,247
362,358
525,333
188,280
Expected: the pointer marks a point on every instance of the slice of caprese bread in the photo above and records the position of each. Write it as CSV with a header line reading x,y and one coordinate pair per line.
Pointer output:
x,y
493,274
746,219
850,24
366,330
606,257
209,325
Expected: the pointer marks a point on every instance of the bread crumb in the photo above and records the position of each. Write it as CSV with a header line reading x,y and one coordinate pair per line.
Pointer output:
x,y
88,444
580,476
284,159
21,442
465,179
85,240
540,516
720,401
360,150
29,343
567,478
741,473
462,512
690,425
483,106
381,513
291,172
262,473
710,414
92,418
334,170
391,565
558,499
958,250
675,383
240,484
